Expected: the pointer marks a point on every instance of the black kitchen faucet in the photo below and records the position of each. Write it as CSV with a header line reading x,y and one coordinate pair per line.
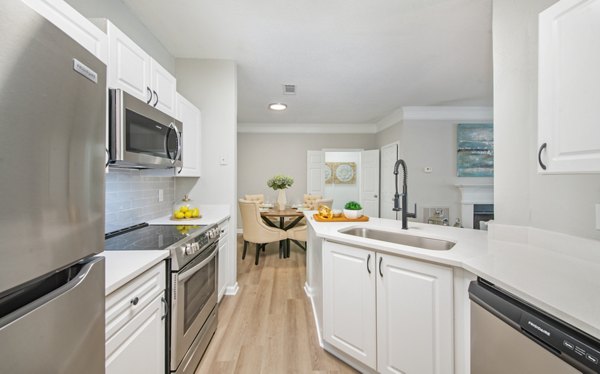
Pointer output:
x,y
397,208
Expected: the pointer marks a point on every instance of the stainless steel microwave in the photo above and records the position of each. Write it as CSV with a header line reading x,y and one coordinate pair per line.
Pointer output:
x,y
140,136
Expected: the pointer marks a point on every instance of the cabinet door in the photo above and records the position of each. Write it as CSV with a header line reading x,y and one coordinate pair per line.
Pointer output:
x,y
139,347
74,24
414,317
349,316
164,88
128,65
223,258
189,115
568,92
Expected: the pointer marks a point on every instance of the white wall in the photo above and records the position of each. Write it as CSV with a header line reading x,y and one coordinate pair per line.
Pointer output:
x,y
342,193
119,14
563,203
429,143
211,85
261,156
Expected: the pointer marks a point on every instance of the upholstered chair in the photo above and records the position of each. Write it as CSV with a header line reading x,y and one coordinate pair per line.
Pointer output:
x,y
297,234
310,201
257,198
256,231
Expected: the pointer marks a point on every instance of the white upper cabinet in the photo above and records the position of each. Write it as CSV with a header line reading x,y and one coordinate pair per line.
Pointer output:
x,y
569,89
82,30
129,65
131,69
164,88
190,116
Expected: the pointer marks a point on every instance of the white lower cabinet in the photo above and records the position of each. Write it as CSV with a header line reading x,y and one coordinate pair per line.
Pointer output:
x,y
391,313
223,258
135,325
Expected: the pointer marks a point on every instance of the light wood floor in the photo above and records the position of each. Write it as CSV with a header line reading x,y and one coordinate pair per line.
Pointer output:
x,y
268,327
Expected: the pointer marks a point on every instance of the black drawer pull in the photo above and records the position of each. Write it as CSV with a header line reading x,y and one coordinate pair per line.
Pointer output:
x,y
542,147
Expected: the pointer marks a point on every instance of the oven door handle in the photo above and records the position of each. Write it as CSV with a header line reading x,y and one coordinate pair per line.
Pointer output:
x,y
194,270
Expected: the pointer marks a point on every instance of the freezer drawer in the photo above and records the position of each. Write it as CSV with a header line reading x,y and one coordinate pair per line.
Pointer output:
x,y
61,332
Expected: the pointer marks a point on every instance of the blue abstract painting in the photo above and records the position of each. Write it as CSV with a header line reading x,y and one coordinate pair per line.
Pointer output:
x,y
475,144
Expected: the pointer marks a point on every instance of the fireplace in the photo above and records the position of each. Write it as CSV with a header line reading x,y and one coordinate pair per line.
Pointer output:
x,y
476,195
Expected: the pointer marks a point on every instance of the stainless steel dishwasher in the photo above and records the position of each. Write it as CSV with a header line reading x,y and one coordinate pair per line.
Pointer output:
x,y
509,335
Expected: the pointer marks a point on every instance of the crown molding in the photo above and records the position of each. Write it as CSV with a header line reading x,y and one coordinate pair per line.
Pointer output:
x,y
391,119
457,113
307,128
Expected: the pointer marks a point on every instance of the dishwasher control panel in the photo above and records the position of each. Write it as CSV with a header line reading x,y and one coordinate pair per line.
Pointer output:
x,y
560,341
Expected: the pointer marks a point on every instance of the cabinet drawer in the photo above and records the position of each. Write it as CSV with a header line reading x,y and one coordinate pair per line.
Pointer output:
x,y
125,303
139,347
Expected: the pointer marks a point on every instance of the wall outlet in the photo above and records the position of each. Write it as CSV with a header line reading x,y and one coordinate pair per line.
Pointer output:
x,y
427,169
597,216
161,195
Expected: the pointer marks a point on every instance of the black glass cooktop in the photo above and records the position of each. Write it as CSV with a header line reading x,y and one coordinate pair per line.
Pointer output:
x,y
145,237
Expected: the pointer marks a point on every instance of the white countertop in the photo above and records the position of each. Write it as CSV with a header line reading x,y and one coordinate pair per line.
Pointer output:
x,y
123,266
211,214
564,280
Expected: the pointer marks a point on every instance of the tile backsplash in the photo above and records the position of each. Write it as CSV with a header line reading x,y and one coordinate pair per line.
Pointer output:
x,y
132,196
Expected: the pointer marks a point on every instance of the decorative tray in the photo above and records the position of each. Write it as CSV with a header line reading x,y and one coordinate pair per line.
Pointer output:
x,y
318,218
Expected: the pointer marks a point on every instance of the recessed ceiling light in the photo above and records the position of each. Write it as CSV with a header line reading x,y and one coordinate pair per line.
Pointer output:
x,y
277,106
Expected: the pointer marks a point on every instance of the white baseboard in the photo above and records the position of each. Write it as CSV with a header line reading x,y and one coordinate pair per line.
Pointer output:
x,y
239,231
232,290
310,294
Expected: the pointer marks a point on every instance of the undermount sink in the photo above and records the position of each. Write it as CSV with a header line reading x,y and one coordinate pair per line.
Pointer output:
x,y
404,239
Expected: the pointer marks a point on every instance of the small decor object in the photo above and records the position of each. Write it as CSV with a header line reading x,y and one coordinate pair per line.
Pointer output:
x,y
280,182
353,210
475,145
325,212
185,209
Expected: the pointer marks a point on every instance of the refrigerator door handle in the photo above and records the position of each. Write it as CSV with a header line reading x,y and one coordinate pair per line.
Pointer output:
x,y
9,316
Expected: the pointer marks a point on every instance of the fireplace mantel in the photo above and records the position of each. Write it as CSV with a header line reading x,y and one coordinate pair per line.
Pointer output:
x,y
472,194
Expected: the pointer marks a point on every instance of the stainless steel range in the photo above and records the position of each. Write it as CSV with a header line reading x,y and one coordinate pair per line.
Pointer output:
x,y
192,285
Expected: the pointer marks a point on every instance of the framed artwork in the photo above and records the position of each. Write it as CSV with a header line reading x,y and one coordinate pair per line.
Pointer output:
x,y
475,150
329,167
340,172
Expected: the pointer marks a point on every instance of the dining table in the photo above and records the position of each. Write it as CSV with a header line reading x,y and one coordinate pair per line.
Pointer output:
x,y
295,214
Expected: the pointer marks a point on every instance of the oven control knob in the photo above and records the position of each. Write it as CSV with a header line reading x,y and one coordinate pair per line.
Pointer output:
x,y
211,234
189,250
195,247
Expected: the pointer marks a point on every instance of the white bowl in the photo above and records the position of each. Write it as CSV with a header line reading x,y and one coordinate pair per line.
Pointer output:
x,y
336,212
353,214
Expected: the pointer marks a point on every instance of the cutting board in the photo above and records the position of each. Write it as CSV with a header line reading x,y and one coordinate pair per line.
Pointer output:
x,y
342,218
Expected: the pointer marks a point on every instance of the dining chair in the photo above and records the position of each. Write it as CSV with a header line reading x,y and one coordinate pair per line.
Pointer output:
x,y
297,235
257,198
256,231
310,201
327,202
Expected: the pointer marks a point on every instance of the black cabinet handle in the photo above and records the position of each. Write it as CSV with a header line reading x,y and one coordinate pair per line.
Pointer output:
x,y
380,272
164,302
156,102
368,261
135,301
542,147
150,92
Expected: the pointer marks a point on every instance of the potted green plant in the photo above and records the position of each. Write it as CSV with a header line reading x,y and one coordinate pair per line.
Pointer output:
x,y
353,210
280,183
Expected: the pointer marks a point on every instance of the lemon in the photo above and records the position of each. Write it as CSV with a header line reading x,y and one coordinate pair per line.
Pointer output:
x,y
188,214
179,215
183,209
195,212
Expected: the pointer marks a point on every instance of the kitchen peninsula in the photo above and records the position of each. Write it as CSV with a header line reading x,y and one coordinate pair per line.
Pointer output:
x,y
429,310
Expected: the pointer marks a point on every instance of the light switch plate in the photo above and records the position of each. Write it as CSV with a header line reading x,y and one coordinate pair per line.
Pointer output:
x,y
427,169
222,160
597,216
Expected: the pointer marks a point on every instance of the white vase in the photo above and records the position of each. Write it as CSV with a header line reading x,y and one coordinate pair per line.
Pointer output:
x,y
281,200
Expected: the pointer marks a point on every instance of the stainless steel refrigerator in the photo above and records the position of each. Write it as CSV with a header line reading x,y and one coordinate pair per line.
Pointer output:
x,y
52,131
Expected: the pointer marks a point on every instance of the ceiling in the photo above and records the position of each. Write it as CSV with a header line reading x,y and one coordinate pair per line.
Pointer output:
x,y
353,61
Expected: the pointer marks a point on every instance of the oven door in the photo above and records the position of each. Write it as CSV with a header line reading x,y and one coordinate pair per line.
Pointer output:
x,y
142,136
193,297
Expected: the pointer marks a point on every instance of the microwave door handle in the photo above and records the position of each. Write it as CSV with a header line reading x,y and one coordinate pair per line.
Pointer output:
x,y
178,153
194,270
